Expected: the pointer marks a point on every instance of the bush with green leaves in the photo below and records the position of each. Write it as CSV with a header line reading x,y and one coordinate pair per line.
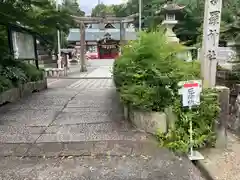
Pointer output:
x,y
149,63
13,73
31,71
147,76
203,119
148,71
5,84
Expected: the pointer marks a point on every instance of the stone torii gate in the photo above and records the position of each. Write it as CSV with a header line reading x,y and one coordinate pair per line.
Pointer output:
x,y
82,21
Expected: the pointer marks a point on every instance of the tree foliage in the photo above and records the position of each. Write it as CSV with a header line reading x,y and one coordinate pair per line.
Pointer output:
x,y
189,28
40,16
101,9
72,7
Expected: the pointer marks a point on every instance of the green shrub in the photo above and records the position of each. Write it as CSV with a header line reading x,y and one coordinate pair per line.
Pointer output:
x,y
149,70
203,119
5,84
7,60
15,74
147,76
32,73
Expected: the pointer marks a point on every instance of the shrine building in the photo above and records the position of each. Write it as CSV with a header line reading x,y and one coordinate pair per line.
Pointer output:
x,y
102,41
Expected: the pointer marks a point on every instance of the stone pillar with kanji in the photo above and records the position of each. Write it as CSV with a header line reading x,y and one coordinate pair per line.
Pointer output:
x,y
211,32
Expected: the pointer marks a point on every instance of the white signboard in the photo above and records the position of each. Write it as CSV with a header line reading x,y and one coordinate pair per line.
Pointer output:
x,y
190,91
224,54
23,45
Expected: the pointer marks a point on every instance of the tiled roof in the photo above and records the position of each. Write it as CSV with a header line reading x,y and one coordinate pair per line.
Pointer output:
x,y
96,34
96,26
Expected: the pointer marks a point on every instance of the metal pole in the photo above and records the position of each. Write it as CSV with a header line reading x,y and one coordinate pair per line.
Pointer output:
x,y
191,133
58,41
140,15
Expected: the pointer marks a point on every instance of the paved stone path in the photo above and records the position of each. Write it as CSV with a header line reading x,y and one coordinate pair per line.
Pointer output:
x,y
227,159
96,69
75,130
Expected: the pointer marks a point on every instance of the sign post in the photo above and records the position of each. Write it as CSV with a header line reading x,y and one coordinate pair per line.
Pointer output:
x,y
211,32
191,91
224,55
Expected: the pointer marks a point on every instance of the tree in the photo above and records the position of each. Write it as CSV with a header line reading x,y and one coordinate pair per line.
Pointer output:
x,y
190,26
101,9
40,16
72,7
231,20
190,21
119,10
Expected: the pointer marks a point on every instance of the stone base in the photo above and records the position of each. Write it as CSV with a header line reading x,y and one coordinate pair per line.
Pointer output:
x,y
30,87
234,123
16,93
10,95
221,123
151,122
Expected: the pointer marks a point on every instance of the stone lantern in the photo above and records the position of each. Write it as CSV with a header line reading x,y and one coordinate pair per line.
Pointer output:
x,y
170,11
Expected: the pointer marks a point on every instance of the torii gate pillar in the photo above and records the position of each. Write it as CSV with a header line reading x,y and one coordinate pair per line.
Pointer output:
x,y
83,47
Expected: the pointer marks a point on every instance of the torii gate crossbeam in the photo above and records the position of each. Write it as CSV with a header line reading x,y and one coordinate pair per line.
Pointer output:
x,y
81,21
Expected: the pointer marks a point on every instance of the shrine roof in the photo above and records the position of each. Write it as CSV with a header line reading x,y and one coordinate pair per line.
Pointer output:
x,y
96,26
96,34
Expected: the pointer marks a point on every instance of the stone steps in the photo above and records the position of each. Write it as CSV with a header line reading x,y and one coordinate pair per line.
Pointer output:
x,y
88,128
159,165
93,148
91,136
124,144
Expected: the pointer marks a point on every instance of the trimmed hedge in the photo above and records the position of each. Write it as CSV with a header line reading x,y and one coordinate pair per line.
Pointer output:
x,y
147,76
148,72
